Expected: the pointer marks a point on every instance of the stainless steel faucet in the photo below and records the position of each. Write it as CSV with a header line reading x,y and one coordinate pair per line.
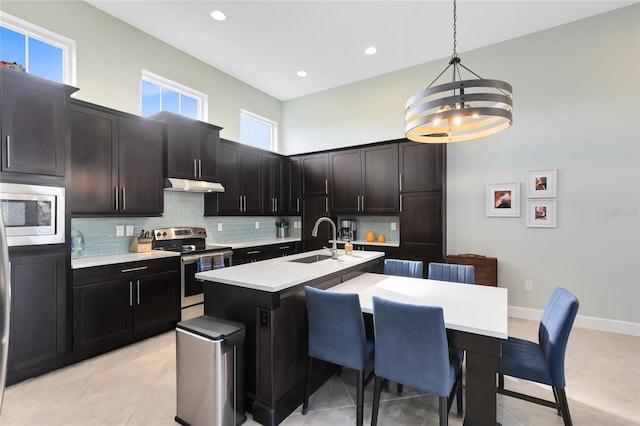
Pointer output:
x,y
314,233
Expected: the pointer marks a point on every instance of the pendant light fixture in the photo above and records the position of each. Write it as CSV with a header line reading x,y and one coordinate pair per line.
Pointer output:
x,y
461,110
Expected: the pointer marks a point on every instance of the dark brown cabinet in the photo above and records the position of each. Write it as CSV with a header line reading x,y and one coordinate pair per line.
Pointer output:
x,y
269,251
421,166
273,199
115,305
239,172
38,337
34,124
116,163
295,185
315,174
364,180
190,147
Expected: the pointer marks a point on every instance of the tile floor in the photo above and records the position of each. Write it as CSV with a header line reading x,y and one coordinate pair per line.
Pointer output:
x,y
136,386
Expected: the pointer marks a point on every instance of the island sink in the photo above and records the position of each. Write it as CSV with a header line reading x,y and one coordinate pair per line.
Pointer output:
x,y
312,259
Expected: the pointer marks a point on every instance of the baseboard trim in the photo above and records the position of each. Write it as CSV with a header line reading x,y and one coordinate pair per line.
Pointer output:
x,y
601,324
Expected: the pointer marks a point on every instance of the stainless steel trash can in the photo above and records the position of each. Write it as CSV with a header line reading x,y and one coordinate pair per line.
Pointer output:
x,y
209,370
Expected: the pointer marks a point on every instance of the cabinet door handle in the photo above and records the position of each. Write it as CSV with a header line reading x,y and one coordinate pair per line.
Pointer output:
x,y
139,268
130,293
284,247
8,151
298,205
326,187
115,197
124,199
400,181
254,252
358,197
362,202
245,202
240,202
195,168
275,202
400,202
326,204
138,291
200,169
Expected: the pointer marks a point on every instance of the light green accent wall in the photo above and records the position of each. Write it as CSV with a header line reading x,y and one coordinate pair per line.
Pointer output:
x,y
576,109
111,55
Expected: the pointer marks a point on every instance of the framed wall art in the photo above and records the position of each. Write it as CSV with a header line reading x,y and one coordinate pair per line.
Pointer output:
x,y
542,183
503,200
541,213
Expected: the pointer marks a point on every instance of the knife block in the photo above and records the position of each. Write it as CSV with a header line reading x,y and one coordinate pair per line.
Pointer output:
x,y
140,245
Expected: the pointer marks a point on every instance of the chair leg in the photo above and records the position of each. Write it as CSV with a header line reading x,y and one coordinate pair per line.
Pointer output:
x,y
564,406
501,381
376,400
459,395
305,404
555,396
443,405
360,398
400,388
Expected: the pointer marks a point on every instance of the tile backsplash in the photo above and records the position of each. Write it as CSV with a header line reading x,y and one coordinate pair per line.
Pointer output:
x,y
186,209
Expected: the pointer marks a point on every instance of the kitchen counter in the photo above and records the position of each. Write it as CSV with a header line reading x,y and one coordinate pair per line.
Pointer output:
x,y
257,243
281,273
109,259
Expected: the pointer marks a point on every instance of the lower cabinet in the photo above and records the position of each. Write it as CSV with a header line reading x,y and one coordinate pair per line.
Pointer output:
x,y
257,253
38,339
115,305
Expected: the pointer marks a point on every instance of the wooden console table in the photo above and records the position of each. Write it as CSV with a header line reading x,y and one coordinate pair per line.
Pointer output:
x,y
486,268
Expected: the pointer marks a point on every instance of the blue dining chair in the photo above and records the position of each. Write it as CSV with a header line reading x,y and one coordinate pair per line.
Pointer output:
x,y
412,348
452,272
337,335
403,268
542,361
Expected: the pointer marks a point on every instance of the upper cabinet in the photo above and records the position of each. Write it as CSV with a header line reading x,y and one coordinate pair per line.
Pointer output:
x,y
364,180
315,174
294,181
240,173
190,147
422,166
34,124
273,196
116,163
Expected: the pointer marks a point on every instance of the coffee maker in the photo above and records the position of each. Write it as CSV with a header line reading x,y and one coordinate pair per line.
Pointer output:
x,y
347,230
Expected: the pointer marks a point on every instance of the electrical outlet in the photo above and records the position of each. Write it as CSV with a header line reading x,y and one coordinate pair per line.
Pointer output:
x,y
219,227
528,285
257,225
129,230
120,231
393,226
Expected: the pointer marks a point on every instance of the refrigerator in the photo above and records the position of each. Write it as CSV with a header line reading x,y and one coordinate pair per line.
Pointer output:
x,y
5,306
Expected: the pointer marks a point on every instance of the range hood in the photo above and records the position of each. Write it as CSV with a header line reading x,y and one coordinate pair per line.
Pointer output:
x,y
187,185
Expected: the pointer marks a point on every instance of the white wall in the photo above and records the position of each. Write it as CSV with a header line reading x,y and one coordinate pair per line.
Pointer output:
x,y
111,55
576,109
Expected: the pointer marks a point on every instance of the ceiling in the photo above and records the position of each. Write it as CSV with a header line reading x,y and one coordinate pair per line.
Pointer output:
x,y
265,43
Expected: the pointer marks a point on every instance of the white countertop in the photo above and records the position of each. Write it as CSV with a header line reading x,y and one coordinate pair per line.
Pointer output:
x,y
470,308
255,243
108,259
369,243
280,273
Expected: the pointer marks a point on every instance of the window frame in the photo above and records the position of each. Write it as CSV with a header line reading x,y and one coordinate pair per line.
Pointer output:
x,y
165,83
273,125
29,30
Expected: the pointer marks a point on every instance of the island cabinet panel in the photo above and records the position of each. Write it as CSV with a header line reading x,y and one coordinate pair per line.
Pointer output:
x,y
118,304
275,347
34,124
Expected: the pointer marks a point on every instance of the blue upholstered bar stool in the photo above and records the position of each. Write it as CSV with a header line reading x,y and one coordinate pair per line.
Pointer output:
x,y
543,361
337,335
412,348
452,272
403,268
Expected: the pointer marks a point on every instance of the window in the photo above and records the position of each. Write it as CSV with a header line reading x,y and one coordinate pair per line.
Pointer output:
x,y
40,51
258,131
161,94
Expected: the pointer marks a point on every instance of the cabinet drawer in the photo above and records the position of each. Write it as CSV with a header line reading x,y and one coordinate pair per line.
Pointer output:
x,y
84,276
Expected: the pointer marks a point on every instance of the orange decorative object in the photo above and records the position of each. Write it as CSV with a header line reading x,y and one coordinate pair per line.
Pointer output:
x,y
370,236
381,238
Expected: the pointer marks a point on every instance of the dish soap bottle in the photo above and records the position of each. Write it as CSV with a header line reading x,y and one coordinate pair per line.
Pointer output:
x,y
348,248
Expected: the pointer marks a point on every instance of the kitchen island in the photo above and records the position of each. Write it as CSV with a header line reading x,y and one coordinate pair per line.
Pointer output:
x,y
268,297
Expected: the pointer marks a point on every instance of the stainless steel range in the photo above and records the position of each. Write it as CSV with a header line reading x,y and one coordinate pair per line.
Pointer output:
x,y
191,242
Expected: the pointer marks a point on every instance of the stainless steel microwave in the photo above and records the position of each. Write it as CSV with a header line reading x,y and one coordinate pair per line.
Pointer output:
x,y
32,214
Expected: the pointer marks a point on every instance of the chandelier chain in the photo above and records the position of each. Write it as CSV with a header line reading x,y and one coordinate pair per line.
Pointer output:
x,y
455,43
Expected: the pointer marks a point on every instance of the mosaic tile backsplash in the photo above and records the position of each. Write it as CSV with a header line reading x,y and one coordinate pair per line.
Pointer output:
x,y
186,209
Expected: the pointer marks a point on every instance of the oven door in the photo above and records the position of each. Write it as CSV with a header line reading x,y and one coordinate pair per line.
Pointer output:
x,y
192,290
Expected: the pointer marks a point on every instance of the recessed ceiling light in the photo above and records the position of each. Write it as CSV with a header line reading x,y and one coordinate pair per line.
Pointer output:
x,y
302,73
370,50
218,15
